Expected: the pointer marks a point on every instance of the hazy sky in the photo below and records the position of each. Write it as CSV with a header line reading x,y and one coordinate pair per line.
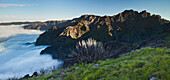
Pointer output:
x,y
68,9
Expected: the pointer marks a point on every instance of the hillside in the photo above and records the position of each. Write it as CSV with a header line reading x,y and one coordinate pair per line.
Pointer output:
x,y
144,64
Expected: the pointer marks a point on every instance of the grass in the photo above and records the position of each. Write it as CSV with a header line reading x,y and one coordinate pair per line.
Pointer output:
x,y
139,65
88,51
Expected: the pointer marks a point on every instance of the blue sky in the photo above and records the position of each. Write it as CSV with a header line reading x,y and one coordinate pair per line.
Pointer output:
x,y
68,9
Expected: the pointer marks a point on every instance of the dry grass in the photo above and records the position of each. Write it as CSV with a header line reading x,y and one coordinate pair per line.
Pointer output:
x,y
88,51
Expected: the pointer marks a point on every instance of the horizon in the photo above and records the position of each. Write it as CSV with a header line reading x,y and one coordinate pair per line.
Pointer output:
x,y
19,10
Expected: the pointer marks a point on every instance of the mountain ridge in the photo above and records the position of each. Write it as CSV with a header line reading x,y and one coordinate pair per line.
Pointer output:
x,y
119,31
81,25
49,24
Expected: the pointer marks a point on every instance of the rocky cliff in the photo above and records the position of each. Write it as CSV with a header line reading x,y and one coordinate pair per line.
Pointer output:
x,y
124,28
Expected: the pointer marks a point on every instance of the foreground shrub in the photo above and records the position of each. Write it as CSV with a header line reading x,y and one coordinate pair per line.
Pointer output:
x,y
88,51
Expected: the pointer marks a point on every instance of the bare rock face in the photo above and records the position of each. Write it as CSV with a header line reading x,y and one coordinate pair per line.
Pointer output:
x,y
75,31
125,28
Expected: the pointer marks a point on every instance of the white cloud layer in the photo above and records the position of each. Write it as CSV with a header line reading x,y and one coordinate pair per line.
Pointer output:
x,y
18,59
7,5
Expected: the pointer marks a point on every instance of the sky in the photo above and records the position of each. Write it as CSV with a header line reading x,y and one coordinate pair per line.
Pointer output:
x,y
68,9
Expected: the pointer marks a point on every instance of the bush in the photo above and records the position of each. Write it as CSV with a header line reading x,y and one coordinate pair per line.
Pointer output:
x,y
88,51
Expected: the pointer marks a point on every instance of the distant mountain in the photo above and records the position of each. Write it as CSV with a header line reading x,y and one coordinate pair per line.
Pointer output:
x,y
17,23
119,31
47,25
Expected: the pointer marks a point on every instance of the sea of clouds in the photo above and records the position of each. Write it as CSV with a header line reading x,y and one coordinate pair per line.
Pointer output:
x,y
18,58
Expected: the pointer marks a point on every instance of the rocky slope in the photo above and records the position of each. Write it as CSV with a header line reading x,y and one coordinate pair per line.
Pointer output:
x,y
120,31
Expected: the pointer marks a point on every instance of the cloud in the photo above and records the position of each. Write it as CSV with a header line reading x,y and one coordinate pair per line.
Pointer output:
x,y
7,5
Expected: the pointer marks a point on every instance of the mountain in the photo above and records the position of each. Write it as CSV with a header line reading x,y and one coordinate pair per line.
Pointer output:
x,y
18,23
47,25
128,26
122,32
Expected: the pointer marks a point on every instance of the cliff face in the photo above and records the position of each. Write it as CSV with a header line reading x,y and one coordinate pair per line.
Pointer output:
x,y
122,30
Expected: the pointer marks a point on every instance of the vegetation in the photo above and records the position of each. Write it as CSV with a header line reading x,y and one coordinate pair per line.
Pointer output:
x,y
88,51
144,64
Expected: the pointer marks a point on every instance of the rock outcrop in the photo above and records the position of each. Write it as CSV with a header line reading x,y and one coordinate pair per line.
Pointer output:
x,y
125,28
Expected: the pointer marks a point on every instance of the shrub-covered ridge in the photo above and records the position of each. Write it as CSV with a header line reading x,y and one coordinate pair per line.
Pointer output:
x,y
144,64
